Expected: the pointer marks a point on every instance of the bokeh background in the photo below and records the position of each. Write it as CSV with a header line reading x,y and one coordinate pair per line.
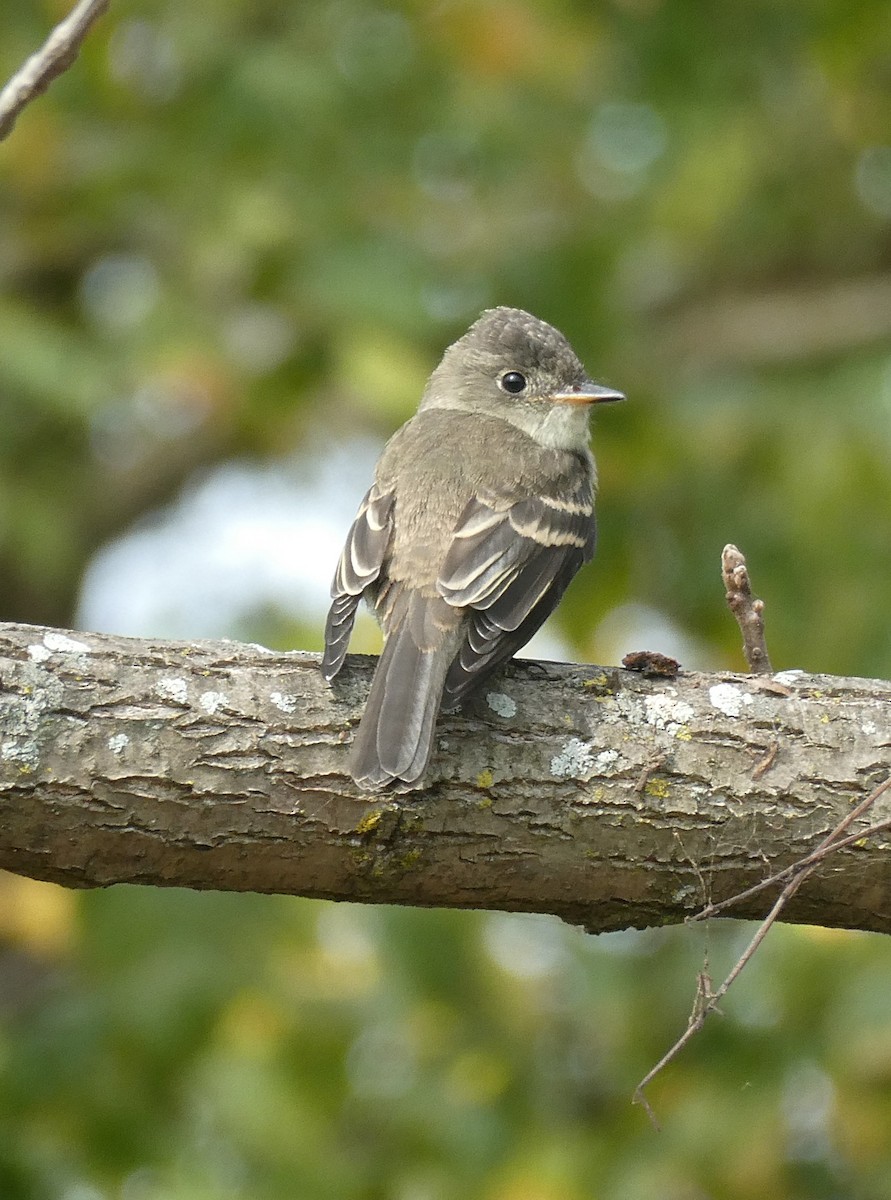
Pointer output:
x,y
234,240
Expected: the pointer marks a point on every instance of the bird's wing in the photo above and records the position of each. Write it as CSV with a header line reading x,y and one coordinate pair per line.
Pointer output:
x,y
509,564
360,565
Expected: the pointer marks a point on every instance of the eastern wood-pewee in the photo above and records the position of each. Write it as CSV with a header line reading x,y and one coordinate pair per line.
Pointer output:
x,y
481,512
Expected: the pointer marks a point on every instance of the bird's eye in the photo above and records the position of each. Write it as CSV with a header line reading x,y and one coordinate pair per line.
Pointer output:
x,y
513,382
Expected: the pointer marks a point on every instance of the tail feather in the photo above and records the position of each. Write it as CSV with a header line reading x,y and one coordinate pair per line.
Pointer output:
x,y
395,736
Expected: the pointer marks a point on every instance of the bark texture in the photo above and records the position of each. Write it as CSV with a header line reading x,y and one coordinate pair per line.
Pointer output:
x,y
609,799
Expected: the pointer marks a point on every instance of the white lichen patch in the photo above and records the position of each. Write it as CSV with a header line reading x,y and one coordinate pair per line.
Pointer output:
x,y
211,701
728,699
606,759
173,687
665,711
118,743
253,646
24,752
869,728
38,653
786,677
503,705
24,732
575,761
283,702
22,724
53,640
684,895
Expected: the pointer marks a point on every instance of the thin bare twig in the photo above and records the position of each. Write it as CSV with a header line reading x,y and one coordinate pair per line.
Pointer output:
x,y
748,611
53,58
706,1001
705,1004
649,769
834,841
767,761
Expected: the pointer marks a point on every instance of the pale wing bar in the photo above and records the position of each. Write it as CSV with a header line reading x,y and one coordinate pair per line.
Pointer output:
x,y
510,567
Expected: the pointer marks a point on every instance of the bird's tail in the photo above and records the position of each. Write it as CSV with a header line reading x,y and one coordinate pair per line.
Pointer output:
x,y
394,740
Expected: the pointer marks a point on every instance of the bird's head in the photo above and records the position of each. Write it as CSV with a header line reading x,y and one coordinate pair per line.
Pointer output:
x,y
511,365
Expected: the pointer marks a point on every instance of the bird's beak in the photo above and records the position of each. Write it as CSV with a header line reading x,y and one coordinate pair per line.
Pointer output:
x,y
587,392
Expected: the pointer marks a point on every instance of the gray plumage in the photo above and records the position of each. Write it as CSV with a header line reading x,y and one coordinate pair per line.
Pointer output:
x,y
481,512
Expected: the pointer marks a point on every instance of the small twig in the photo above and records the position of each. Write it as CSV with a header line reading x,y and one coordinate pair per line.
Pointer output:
x,y
834,841
706,1001
702,1007
715,910
767,761
53,58
748,611
648,770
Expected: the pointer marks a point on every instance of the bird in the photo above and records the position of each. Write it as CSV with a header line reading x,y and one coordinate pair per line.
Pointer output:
x,y
480,514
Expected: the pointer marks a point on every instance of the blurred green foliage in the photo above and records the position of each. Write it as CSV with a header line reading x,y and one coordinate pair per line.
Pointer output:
x,y
168,1046
233,223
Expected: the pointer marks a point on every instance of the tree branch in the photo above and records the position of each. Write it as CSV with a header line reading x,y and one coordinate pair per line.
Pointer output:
x,y
53,58
220,765
779,326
